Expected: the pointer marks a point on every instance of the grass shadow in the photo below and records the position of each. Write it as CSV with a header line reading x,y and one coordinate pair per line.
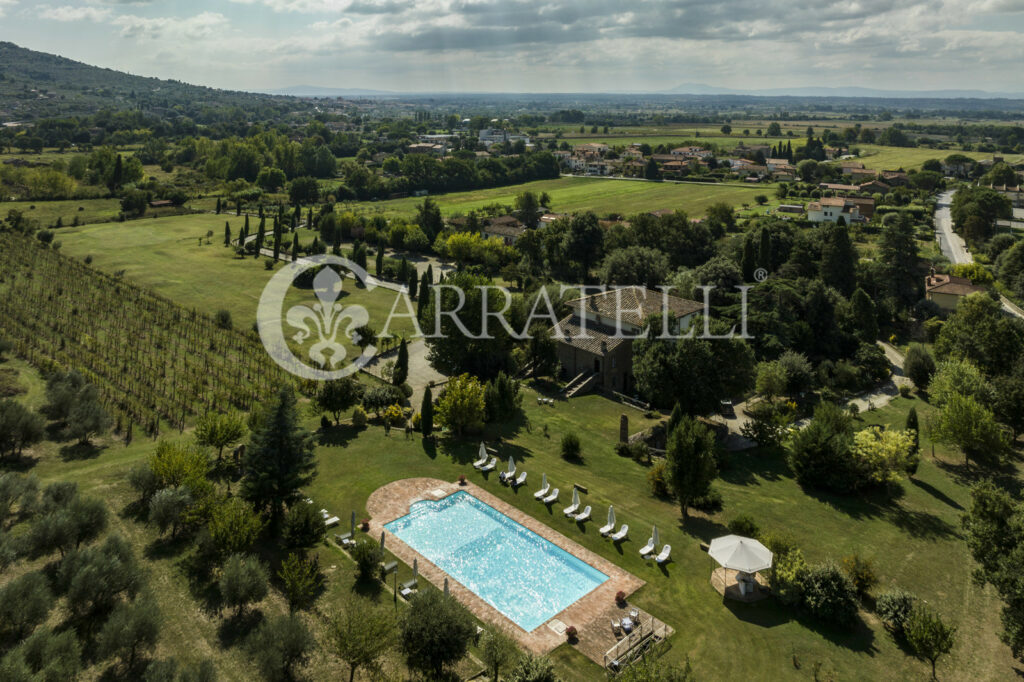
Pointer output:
x,y
167,547
234,629
339,436
936,493
745,467
79,451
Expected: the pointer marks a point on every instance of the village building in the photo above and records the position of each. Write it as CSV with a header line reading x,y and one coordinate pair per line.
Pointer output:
x,y
506,227
946,291
831,209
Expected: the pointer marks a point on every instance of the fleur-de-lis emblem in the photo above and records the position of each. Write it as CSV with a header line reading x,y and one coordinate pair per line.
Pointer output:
x,y
326,317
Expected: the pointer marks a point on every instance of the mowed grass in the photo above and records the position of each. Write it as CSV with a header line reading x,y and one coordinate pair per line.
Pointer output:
x,y
170,256
47,212
568,195
910,158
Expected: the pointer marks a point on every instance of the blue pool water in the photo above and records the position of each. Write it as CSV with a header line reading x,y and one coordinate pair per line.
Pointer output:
x,y
507,565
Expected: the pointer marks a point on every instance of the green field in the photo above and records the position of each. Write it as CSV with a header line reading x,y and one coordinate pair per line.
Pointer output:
x,y
47,212
165,255
602,196
908,158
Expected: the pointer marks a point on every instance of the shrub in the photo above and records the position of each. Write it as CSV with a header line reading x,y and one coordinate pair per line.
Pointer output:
x,y
788,575
709,503
919,366
620,597
894,607
571,633
243,581
657,479
829,595
819,454
279,645
223,319
744,525
303,526
301,579
394,415
861,573
368,556
570,447
359,417
435,633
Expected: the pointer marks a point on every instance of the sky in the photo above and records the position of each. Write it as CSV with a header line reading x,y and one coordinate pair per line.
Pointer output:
x,y
537,45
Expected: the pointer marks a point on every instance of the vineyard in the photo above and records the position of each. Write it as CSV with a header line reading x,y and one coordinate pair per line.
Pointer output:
x,y
152,360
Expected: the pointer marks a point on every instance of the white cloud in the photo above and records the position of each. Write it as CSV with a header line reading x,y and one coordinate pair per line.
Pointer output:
x,y
4,4
69,13
199,27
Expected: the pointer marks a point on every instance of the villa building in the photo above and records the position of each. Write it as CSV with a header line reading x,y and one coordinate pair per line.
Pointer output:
x,y
946,291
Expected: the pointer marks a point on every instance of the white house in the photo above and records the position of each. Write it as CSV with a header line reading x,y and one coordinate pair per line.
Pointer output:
x,y
830,209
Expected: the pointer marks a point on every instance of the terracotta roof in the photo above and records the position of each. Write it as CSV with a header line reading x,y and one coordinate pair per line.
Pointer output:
x,y
598,339
949,284
650,302
838,186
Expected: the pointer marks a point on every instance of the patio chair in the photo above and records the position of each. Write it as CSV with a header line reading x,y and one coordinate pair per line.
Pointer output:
x,y
621,535
344,539
616,627
553,497
539,495
583,515
634,615
571,510
648,548
605,530
519,481
664,556
490,466
332,521
390,566
480,462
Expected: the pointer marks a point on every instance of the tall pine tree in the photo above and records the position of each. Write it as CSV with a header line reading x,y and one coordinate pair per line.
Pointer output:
x,y
401,371
279,461
427,413
839,261
691,462
227,233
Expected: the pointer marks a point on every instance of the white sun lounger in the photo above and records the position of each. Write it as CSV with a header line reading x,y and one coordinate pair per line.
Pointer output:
x,y
663,557
519,481
584,515
648,548
490,466
621,535
332,521
605,530
571,510
551,498
542,492
479,464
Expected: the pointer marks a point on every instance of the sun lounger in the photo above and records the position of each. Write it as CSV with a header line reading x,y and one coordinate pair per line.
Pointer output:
x,y
663,557
344,539
621,535
490,466
480,462
332,521
605,530
551,498
648,548
519,481
542,492
571,510
390,566
583,515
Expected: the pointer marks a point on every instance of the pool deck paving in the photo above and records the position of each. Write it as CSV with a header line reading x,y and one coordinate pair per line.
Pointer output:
x,y
589,614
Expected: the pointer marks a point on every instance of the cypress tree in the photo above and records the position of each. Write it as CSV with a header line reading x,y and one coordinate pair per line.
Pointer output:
x,y
218,205
401,371
424,296
864,316
277,239
430,274
261,211
379,265
227,234
238,207
259,237
279,461
912,425
427,414
413,281
749,263
838,261
246,226
295,247
309,218
241,236
764,250
674,418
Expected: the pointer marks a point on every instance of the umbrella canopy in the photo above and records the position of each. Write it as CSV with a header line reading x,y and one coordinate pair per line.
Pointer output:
x,y
740,554
446,586
382,540
483,451
353,528
511,466
655,539
575,497
611,515
415,568
543,481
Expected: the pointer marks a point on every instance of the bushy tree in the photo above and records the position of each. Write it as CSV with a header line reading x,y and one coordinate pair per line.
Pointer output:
x,y
967,425
928,636
497,650
87,417
280,460
131,630
819,454
279,645
894,607
44,655
691,462
829,595
96,578
338,396
919,366
24,603
218,430
435,632
243,581
20,428
168,506
461,406
530,668
301,580
233,525
959,376
303,527
570,448
502,398
361,634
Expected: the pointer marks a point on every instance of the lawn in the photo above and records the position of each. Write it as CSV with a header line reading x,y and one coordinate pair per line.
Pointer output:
x,y
568,195
47,212
909,158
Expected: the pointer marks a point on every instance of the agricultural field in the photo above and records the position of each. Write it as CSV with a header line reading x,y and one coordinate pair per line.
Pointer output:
x,y
909,158
602,196
46,213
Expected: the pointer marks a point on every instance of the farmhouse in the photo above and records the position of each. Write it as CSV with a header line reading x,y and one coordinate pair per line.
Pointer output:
x,y
1014,194
831,209
874,186
595,348
946,290
837,187
506,227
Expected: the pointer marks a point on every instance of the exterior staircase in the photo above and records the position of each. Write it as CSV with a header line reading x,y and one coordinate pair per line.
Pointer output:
x,y
582,382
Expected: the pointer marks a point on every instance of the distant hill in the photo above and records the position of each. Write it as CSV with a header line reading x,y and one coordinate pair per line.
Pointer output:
x,y
38,85
317,91
701,89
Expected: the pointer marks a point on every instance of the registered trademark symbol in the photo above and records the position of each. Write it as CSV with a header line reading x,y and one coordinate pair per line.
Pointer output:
x,y
760,274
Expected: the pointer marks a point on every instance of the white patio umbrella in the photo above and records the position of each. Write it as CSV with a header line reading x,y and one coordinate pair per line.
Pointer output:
x,y
382,540
738,553
611,515
353,528
511,467
575,497
655,538
543,481
415,568
482,454
446,586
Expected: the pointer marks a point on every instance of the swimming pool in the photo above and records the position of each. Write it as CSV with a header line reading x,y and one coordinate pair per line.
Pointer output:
x,y
522,575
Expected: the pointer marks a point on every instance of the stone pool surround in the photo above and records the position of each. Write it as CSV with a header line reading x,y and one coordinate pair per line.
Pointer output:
x,y
392,501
